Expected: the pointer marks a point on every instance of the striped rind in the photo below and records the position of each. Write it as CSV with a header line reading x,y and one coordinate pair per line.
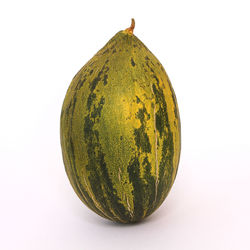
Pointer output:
x,y
120,131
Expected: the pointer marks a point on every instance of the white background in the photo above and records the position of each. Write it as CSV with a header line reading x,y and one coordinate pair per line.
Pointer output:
x,y
205,48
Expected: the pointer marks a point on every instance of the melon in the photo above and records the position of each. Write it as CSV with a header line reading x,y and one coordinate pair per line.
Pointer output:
x,y
120,131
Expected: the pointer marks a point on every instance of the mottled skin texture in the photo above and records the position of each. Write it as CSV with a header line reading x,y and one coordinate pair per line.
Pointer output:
x,y
120,131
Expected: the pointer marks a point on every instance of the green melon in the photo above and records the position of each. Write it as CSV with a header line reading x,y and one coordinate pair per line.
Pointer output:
x,y
120,131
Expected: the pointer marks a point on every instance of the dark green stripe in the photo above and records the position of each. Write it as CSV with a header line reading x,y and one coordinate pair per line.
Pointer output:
x,y
91,98
174,100
138,188
177,116
105,78
149,185
143,188
166,162
99,178
78,185
141,137
162,121
97,79
71,154
81,188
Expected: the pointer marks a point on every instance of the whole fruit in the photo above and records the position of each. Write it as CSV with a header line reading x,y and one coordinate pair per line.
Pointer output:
x,y
120,131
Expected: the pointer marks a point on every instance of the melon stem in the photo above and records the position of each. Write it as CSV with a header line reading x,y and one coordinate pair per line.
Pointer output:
x,y
132,26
